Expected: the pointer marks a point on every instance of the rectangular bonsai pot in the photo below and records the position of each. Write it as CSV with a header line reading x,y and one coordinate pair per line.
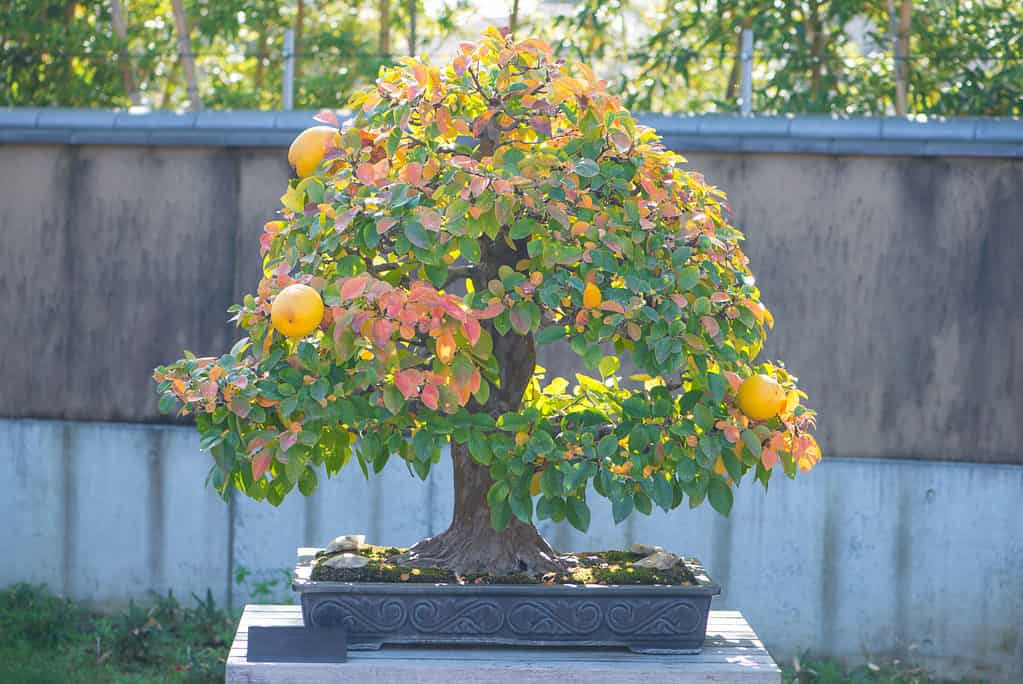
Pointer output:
x,y
644,619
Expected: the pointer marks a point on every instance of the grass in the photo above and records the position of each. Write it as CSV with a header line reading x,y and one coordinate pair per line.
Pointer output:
x,y
834,672
48,640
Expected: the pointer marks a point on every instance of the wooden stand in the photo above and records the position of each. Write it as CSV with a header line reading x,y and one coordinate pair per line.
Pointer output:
x,y
732,653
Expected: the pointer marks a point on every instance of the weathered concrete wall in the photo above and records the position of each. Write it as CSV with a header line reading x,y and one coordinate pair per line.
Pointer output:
x,y
862,557
893,280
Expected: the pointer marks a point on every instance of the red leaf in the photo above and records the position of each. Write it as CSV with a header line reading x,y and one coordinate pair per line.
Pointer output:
x,y
326,116
612,306
493,310
407,382
520,321
288,440
260,462
768,457
734,381
365,174
382,329
385,224
445,346
430,396
429,218
353,287
710,325
411,173
471,328
719,297
209,390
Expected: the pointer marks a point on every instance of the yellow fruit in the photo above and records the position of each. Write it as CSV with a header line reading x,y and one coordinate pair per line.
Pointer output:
x,y
592,296
296,311
534,484
307,150
761,397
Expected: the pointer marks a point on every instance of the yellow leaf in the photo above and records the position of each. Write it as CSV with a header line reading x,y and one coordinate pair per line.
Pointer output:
x,y
592,296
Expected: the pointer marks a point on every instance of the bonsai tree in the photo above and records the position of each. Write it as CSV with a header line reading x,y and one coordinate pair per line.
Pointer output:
x,y
465,215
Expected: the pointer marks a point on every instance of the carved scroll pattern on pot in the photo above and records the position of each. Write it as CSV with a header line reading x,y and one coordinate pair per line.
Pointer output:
x,y
360,616
653,618
457,617
561,618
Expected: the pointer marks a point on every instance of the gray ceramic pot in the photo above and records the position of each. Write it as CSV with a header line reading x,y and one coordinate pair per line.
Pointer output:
x,y
645,619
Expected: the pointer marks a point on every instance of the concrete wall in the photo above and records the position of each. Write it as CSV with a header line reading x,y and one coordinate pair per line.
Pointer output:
x,y
865,557
893,280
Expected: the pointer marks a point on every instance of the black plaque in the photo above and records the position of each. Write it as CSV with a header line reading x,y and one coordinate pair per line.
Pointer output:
x,y
297,644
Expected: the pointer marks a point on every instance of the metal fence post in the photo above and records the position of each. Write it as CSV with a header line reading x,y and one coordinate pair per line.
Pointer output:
x,y
747,71
288,85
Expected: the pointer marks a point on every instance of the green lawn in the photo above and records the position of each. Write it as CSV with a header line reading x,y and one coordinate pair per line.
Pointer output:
x,y
48,640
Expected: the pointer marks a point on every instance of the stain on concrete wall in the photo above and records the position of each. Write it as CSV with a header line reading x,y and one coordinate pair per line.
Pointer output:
x,y
893,281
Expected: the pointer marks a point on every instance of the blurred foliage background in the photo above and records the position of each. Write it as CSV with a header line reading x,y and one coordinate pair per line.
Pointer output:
x,y
947,57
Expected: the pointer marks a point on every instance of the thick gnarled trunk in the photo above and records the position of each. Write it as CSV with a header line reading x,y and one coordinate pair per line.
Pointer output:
x,y
471,546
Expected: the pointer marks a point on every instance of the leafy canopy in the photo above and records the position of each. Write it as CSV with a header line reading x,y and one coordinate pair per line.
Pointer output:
x,y
618,246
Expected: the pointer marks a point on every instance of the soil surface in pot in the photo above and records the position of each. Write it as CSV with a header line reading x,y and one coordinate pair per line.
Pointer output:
x,y
597,567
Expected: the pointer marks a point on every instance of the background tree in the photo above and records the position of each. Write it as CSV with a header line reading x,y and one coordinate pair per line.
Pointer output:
x,y
468,213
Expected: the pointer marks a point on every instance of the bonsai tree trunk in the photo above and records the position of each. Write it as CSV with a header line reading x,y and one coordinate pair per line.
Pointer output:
x,y
471,545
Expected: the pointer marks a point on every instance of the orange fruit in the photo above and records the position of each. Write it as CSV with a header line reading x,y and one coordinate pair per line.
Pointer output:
x,y
296,311
761,397
307,150
534,483
592,296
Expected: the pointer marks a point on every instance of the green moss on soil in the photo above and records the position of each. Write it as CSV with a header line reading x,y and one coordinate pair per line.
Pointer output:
x,y
598,567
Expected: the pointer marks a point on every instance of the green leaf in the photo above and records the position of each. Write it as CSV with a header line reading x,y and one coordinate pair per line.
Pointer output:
x,y
662,491
621,507
308,356
551,333
416,234
479,449
437,274
578,513
642,503
521,318
608,366
168,403
393,399
522,504
587,168
720,495
550,508
688,278
497,494
307,481
752,442
607,446
523,228
470,249
514,422
500,515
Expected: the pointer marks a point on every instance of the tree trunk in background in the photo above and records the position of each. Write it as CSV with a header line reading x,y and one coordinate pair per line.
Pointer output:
x,y
185,54
815,40
299,20
384,44
412,8
260,58
513,17
902,53
123,58
733,75
470,545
